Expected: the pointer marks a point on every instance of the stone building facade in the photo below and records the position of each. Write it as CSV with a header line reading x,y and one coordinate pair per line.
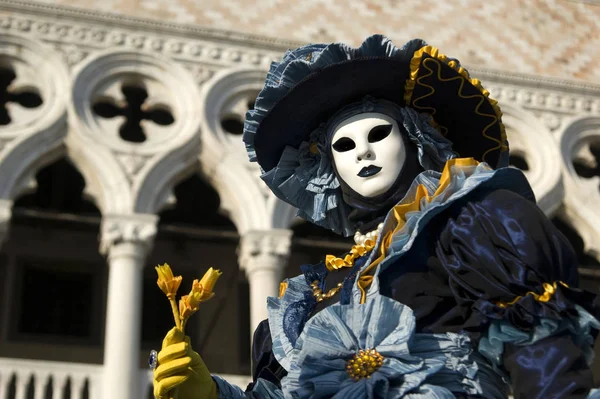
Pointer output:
x,y
120,149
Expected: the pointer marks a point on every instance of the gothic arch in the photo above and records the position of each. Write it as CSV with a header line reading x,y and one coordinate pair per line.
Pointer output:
x,y
133,174
223,159
105,181
241,198
582,194
283,214
163,174
228,94
530,139
34,136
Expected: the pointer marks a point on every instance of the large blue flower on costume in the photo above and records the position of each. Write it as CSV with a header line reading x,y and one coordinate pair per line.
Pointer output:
x,y
334,336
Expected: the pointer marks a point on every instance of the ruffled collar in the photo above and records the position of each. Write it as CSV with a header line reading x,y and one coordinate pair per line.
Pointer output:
x,y
430,194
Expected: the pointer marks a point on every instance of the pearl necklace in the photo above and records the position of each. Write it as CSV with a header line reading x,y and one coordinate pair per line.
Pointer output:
x,y
360,239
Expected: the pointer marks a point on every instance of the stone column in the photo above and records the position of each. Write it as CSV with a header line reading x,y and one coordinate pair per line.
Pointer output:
x,y
125,240
6,302
5,215
263,255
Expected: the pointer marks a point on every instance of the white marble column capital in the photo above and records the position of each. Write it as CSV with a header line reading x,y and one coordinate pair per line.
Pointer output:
x,y
137,230
264,249
5,216
263,254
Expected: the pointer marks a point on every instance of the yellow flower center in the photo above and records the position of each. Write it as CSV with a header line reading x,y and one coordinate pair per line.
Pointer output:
x,y
364,363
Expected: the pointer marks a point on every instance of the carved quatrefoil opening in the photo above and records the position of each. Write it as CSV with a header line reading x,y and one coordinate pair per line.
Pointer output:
x,y
134,101
234,113
134,109
233,125
14,92
586,161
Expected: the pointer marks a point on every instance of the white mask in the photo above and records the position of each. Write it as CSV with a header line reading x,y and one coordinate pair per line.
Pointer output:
x,y
368,152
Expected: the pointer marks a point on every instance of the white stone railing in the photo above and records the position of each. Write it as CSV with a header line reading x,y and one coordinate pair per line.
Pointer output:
x,y
43,376
57,378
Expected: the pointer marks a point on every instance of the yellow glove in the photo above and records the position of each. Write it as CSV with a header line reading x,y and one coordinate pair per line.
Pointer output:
x,y
182,368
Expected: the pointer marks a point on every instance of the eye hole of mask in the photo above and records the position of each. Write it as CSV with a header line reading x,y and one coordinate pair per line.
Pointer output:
x,y
344,144
379,133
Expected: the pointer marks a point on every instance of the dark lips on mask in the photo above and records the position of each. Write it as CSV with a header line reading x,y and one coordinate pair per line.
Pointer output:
x,y
369,171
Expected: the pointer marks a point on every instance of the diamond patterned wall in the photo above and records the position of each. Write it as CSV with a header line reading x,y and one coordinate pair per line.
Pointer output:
x,y
558,38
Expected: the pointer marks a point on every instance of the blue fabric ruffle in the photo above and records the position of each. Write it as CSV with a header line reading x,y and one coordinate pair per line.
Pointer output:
x,y
501,332
415,365
307,181
287,316
434,149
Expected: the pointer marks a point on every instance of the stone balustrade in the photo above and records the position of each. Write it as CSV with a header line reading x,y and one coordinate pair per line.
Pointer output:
x,y
21,379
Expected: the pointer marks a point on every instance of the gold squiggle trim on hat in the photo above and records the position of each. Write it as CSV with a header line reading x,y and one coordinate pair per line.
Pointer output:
x,y
495,119
438,57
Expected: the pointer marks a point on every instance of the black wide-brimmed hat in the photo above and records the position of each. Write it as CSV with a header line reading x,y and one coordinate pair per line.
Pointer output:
x,y
311,83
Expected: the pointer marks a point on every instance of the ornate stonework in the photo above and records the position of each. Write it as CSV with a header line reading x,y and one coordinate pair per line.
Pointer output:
x,y
130,110
77,34
264,249
135,228
542,37
33,123
582,190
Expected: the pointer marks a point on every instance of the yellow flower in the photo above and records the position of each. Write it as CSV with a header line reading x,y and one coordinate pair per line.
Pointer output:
x,y
188,305
206,284
201,292
168,283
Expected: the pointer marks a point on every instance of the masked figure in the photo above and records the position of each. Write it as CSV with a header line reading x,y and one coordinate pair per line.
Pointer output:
x,y
457,285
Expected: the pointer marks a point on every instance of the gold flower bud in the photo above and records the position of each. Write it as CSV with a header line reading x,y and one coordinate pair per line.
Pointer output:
x,y
188,305
206,284
167,283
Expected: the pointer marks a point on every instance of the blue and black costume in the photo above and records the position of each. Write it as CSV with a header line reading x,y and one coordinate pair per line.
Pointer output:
x,y
469,290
